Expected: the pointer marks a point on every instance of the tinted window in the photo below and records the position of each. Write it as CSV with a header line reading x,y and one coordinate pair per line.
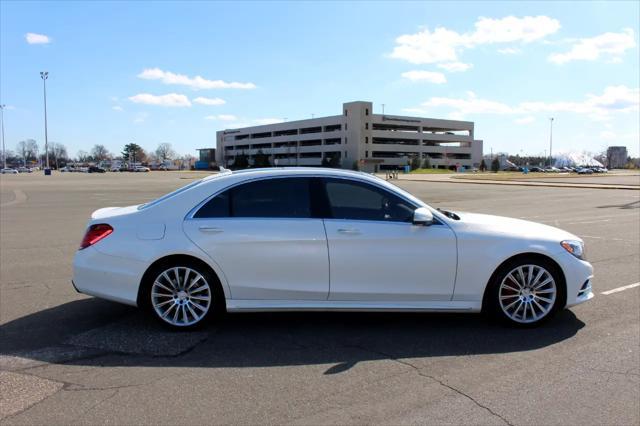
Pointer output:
x,y
218,206
272,198
360,201
265,198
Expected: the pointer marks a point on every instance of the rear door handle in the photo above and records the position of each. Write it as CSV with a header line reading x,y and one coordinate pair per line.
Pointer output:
x,y
349,231
210,229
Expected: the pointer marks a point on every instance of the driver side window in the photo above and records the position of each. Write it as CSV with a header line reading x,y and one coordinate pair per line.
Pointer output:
x,y
360,201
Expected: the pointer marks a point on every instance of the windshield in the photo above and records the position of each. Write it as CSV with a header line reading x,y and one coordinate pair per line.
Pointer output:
x,y
169,195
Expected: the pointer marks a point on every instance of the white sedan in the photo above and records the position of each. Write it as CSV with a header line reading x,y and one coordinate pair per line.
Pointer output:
x,y
323,240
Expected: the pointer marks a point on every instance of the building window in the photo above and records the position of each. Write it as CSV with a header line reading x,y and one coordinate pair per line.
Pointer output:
x,y
366,125
366,139
345,127
366,154
345,155
345,112
345,140
366,111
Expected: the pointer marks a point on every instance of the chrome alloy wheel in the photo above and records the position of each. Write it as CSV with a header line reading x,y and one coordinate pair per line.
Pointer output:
x,y
181,296
527,293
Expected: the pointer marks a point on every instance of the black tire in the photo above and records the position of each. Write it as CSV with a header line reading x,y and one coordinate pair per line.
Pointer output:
x,y
492,302
182,299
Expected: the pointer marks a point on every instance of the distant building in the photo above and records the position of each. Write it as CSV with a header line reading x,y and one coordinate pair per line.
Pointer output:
x,y
357,138
616,157
206,158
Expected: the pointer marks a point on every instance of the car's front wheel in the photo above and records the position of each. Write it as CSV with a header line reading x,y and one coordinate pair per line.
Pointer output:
x,y
182,295
525,292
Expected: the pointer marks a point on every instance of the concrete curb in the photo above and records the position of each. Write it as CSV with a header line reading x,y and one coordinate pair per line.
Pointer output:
x,y
520,183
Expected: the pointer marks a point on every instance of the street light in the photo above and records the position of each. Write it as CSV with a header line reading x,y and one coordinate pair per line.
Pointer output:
x,y
44,75
550,140
4,150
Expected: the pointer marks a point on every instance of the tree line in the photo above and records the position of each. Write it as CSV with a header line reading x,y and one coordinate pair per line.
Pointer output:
x,y
28,152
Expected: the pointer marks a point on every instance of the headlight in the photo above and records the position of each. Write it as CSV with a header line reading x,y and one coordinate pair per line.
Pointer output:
x,y
576,248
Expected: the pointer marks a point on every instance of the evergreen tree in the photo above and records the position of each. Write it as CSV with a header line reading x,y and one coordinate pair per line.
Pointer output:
x,y
495,165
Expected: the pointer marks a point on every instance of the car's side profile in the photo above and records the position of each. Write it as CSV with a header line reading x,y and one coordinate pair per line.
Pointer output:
x,y
323,239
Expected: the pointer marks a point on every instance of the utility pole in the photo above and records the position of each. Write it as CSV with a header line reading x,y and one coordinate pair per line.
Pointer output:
x,y
4,150
550,140
44,75
382,109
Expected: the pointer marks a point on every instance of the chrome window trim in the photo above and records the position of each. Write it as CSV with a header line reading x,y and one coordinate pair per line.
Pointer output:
x,y
192,212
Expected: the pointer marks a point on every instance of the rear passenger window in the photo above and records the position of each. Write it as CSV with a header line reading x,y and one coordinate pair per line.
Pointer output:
x,y
218,206
277,198
287,197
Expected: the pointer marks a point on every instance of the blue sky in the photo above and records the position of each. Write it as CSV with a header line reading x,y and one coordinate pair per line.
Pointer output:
x,y
127,71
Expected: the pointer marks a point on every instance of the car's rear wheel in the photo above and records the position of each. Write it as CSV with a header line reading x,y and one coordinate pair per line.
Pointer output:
x,y
525,292
183,295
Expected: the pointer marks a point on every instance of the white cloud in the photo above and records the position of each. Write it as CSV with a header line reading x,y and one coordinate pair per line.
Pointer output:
x,y
209,101
430,76
221,117
512,29
525,120
117,108
168,100
611,46
510,51
444,45
34,38
455,66
196,82
614,99
471,105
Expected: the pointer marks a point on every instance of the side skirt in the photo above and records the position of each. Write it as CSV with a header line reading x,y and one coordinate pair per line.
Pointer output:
x,y
234,305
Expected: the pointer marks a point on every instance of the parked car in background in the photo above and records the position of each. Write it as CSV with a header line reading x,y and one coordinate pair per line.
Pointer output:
x,y
141,169
536,169
309,239
96,169
24,170
9,171
584,171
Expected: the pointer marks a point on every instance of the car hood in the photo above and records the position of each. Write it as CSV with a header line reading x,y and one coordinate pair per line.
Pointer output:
x,y
506,226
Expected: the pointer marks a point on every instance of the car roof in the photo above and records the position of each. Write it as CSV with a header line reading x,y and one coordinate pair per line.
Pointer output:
x,y
292,171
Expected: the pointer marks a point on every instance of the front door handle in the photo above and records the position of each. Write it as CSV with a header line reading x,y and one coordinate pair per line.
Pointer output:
x,y
210,229
349,231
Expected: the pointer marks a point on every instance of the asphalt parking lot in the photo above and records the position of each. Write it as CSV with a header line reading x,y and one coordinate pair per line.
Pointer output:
x,y
70,359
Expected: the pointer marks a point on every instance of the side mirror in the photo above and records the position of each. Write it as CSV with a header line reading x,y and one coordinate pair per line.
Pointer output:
x,y
422,216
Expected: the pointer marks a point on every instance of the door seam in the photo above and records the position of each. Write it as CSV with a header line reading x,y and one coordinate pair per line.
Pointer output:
x,y
326,239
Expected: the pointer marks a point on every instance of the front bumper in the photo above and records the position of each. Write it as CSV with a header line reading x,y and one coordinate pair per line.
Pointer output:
x,y
579,277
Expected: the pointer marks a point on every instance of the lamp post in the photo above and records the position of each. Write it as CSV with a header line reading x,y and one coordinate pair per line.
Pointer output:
x,y
550,140
4,150
44,75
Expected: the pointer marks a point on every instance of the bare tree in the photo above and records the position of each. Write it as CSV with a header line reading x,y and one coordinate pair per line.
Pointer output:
x,y
83,156
59,152
32,149
165,152
27,150
21,149
100,153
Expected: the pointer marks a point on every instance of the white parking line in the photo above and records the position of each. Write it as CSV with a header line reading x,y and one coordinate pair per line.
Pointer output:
x,y
616,290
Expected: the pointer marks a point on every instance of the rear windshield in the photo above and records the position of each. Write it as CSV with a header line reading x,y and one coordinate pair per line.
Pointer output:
x,y
169,195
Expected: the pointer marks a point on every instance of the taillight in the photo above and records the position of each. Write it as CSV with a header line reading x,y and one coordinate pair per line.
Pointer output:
x,y
94,234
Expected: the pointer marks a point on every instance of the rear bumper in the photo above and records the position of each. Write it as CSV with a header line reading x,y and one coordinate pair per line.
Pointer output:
x,y
107,277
